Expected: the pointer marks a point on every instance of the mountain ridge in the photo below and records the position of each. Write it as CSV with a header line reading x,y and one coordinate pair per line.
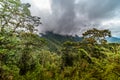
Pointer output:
x,y
76,38
113,39
55,41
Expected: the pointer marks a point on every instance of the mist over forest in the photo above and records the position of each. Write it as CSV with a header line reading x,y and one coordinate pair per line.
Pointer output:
x,y
76,16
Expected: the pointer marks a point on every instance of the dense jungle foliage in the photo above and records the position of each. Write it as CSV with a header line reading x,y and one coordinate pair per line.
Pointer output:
x,y
24,55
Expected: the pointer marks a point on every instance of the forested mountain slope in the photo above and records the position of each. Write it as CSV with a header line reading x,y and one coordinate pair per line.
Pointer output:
x,y
54,41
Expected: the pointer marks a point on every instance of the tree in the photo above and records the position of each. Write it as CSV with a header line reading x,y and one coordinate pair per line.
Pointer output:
x,y
15,16
96,36
16,22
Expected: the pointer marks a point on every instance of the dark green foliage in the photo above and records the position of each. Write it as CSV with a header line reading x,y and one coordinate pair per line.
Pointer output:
x,y
54,40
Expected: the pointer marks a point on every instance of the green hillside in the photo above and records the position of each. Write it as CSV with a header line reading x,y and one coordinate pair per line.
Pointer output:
x,y
53,41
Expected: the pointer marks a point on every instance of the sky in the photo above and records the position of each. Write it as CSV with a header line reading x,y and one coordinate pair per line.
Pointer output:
x,y
71,17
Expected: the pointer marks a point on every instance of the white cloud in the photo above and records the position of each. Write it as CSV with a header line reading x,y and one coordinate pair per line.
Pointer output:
x,y
113,25
39,5
42,4
75,16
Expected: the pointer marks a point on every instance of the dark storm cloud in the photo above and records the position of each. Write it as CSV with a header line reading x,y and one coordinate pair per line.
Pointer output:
x,y
98,9
75,16
65,15
72,17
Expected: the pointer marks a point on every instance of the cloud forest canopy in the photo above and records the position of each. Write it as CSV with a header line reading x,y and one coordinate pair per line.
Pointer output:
x,y
23,55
